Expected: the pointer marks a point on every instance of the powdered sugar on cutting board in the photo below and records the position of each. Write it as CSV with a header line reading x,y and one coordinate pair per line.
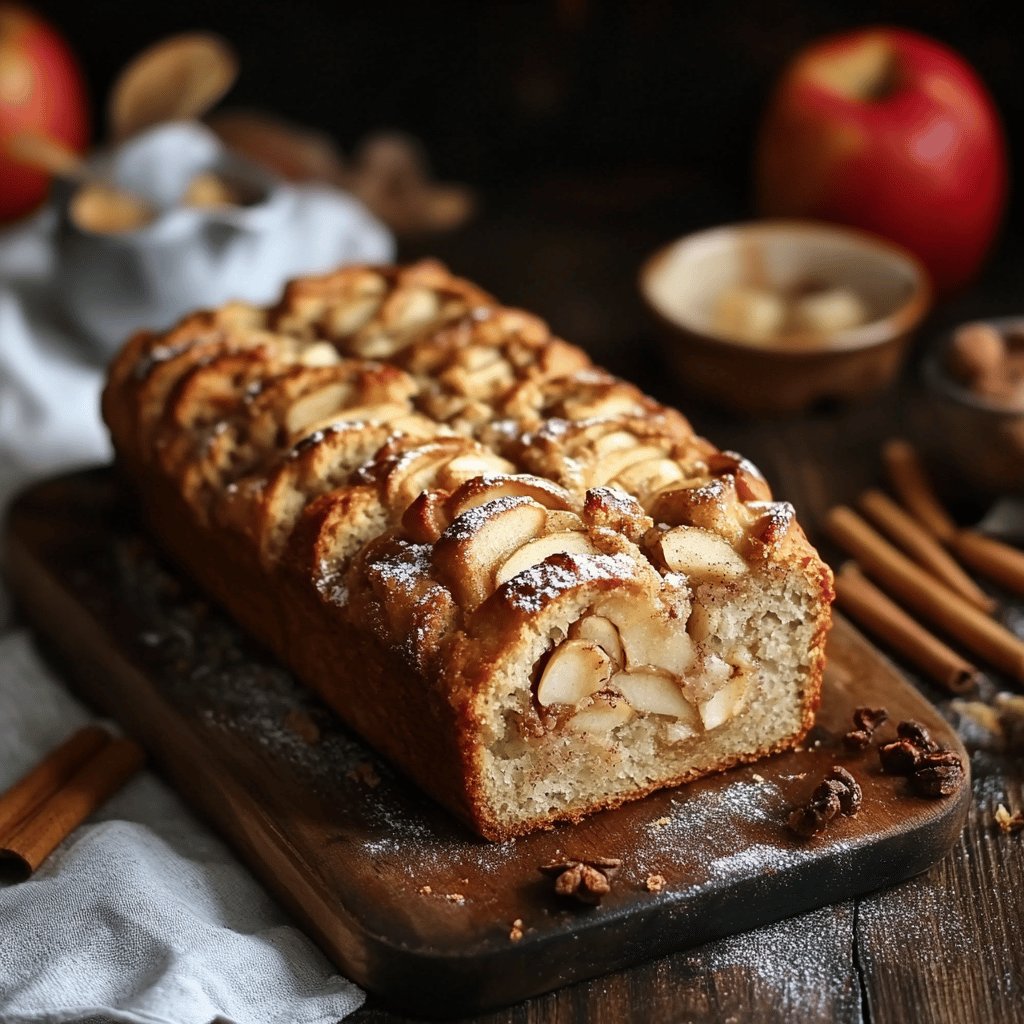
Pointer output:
x,y
699,832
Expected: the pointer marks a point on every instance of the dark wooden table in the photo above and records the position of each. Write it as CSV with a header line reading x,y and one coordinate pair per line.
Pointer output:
x,y
947,946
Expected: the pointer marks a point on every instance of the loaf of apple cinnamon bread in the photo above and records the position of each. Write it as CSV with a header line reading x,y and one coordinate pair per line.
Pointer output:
x,y
530,586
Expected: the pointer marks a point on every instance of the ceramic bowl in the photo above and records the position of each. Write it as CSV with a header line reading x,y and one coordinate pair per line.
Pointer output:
x,y
186,258
681,282
980,439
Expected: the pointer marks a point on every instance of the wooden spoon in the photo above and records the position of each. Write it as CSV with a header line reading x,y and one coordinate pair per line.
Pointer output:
x,y
96,206
178,79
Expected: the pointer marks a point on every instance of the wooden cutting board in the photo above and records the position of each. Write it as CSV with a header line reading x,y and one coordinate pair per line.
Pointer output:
x,y
401,896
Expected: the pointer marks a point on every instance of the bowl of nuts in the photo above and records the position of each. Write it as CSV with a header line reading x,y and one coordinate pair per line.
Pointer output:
x,y
975,381
780,316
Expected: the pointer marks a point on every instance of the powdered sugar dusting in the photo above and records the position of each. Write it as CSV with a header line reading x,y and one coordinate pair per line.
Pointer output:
x,y
621,500
803,968
406,569
162,354
712,815
474,519
533,588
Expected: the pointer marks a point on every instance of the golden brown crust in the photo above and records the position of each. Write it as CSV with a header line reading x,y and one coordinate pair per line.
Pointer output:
x,y
345,509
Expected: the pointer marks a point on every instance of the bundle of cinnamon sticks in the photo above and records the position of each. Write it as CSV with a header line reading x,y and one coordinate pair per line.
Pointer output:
x,y
44,807
914,549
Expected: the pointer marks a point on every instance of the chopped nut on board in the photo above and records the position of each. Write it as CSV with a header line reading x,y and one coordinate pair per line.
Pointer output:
x,y
812,819
585,880
902,755
302,725
938,773
1008,822
838,793
851,798
865,721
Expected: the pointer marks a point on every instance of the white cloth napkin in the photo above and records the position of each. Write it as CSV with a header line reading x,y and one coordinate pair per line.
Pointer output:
x,y
190,257
141,915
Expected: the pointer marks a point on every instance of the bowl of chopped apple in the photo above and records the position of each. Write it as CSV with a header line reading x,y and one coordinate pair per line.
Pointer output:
x,y
779,317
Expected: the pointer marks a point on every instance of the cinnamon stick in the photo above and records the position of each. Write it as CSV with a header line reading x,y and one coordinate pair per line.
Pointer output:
x,y
992,558
910,482
865,603
901,527
925,594
47,825
53,772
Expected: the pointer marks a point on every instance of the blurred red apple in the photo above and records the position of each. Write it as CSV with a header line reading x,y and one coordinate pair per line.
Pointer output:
x,y
41,91
889,131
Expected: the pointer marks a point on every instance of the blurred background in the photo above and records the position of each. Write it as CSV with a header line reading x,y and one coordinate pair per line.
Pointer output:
x,y
516,93
586,126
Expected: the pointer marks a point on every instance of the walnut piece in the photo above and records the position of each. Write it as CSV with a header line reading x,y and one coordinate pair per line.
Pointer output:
x,y
584,880
302,725
902,755
865,721
1008,822
931,770
899,757
851,797
917,734
937,774
838,793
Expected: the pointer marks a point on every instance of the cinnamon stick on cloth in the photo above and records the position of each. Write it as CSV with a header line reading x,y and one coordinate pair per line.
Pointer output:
x,y
68,788
53,772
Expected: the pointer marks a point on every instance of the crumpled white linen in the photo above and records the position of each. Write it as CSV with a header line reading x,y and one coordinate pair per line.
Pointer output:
x,y
189,257
141,915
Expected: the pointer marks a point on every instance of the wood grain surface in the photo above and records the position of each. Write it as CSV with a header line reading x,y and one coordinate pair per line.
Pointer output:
x,y
403,898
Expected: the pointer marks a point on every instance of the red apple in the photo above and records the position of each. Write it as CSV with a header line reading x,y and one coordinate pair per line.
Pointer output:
x,y
889,131
41,91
